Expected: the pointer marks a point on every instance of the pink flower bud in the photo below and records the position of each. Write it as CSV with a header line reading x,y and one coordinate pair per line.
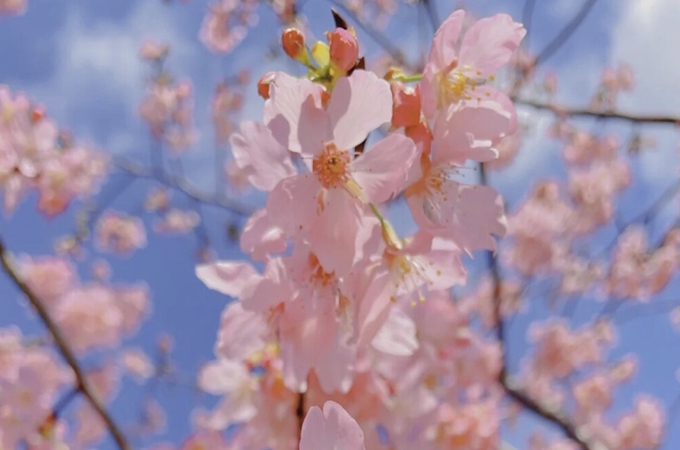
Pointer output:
x,y
293,42
344,49
405,105
263,84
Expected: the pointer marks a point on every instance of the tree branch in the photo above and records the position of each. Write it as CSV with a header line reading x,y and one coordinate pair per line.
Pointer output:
x,y
565,111
562,422
82,383
183,185
565,34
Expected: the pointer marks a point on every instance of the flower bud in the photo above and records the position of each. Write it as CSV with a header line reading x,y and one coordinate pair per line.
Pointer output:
x,y
405,105
344,49
321,54
294,44
37,114
263,84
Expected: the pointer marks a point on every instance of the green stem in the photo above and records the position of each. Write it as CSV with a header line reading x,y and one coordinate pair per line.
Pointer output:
x,y
408,78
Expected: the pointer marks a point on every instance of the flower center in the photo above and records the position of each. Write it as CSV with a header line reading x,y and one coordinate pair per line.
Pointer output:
x,y
319,277
330,166
456,84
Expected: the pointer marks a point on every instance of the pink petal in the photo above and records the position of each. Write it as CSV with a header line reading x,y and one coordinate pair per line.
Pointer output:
x,y
235,279
333,236
263,159
333,429
444,44
490,42
283,109
468,215
272,290
381,171
241,333
468,131
292,204
221,376
360,103
397,336
260,238
308,330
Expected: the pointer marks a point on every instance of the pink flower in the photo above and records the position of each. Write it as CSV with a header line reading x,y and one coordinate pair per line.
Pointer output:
x,y
89,318
120,233
326,205
453,75
468,215
137,363
331,428
177,221
49,277
153,50
226,24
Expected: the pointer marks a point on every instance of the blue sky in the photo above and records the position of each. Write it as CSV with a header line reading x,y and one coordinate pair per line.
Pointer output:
x,y
79,59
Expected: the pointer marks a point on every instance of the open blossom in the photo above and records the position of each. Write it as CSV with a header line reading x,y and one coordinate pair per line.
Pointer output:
x,y
153,50
168,110
35,155
443,207
226,24
460,72
177,221
326,205
137,363
48,277
120,233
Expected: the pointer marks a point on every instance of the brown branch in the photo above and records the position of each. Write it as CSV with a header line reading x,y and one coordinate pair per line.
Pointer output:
x,y
562,422
565,111
82,383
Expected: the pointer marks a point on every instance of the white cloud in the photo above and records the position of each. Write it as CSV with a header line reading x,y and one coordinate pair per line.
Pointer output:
x,y
645,37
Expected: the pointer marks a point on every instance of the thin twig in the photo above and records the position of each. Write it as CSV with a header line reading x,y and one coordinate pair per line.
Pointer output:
x,y
183,185
565,34
527,15
562,422
565,111
83,384
432,14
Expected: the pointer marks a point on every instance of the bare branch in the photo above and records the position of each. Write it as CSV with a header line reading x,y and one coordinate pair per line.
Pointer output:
x,y
83,384
527,15
432,14
183,185
565,111
569,430
566,33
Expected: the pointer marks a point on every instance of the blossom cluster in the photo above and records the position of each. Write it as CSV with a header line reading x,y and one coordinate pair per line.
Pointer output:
x,y
90,317
36,156
344,308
